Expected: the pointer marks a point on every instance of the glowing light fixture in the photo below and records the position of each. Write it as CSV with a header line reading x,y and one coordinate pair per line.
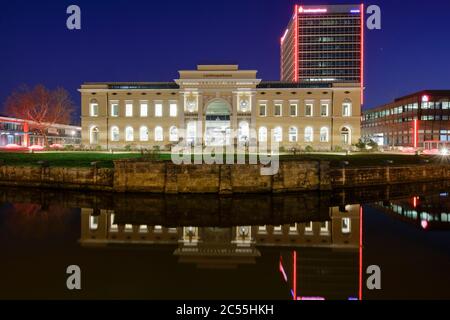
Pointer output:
x,y
425,98
424,224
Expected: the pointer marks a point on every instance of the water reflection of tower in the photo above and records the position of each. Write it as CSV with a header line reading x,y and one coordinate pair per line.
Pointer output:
x,y
327,264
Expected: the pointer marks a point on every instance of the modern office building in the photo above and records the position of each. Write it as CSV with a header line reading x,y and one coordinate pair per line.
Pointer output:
x,y
413,121
324,44
210,102
20,133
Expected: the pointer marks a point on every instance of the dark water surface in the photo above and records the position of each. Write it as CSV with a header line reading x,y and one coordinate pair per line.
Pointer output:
x,y
307,246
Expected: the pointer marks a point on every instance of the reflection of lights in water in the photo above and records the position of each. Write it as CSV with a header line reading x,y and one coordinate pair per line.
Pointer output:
x,y
424,224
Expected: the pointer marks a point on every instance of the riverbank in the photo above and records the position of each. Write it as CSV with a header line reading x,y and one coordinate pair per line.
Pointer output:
x,y
159,177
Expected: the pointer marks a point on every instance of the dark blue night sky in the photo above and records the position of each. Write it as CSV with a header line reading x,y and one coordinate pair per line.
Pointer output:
x,y
137,40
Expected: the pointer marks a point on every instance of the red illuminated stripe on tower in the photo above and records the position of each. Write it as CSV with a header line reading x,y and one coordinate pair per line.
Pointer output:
x,y
296,42
362,53
360,253
294,276
416,133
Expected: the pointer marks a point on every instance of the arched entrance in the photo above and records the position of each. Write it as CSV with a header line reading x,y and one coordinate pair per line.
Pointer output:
x,y
218,123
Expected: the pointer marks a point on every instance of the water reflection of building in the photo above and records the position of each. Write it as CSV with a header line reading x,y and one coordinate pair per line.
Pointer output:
x,y
327,252
426,212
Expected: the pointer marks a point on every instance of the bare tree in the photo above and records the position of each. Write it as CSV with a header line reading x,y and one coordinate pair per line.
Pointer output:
x,y
40,106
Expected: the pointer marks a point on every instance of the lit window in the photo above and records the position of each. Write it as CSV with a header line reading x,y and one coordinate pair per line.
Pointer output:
x,y
277,111
244,131
309,134
114,109
173,110
293,110
129,110
277,229
293,134
94,109
263,110
346,109
159,134
93,222
94,136
324,229
173,133
143,134
143,228
346,225
144,109
324,135
114,134
324,110
278,134
191,132
309,227
309,110
262,134
129,134
158,110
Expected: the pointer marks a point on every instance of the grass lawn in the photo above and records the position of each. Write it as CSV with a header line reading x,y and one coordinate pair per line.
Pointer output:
x,y
105,160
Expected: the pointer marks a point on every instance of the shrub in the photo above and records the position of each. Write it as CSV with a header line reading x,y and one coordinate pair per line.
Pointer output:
x,y
98,148
373,145
69,147
128,148
309,149
361,145
338,149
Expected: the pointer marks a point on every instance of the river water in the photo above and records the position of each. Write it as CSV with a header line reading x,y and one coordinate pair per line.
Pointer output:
x,y
292,246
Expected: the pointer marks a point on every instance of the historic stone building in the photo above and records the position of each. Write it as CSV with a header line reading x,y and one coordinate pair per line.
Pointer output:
x,y
206,105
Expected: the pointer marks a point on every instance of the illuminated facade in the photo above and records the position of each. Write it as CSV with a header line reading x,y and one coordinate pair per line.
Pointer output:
x,y
410,121
204,105
19,133
324,44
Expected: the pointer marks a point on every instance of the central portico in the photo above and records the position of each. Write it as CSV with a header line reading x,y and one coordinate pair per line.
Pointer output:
x,y
218,100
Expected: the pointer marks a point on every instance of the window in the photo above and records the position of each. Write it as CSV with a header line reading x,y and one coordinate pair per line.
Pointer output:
x,y
114,134
293,134
143,134
129,110
309,134
173,110
158,110
346,226
309,227
346,109
129,134
345,136
191,132
244,131
93,223
324,136
309,110
94,136
263,110
93,107
173,134
278,134
114,109
324,110
277,111
144,109
324,228
262,134
293,110
159,134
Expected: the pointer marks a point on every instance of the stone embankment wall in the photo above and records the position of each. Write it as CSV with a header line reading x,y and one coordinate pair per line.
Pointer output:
x,y
166,177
